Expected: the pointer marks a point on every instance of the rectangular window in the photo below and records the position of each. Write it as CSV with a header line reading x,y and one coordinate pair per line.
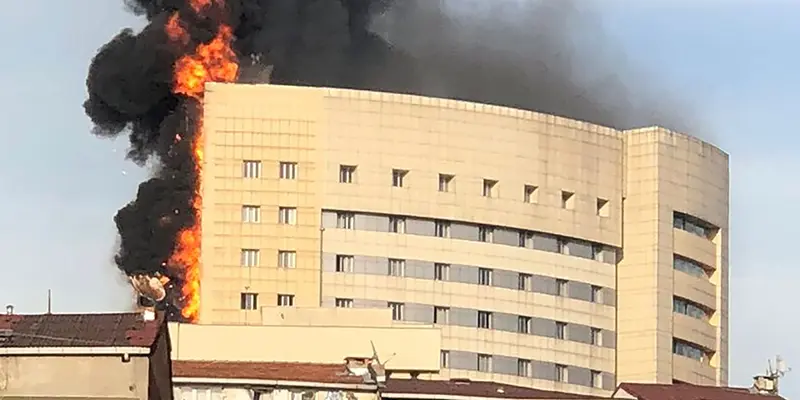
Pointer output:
x,y
597,379
288,170
344,263
530,194
603,209
485,276
444,359
398,177
397,311
523,324
442,229
251,169
561,373
489,187
441,272
249,301
285,300
526,240
485,234
567,200
345,220
344,303
689,266
397,225
397,267
484,363
690,308
347,173
287,259
597,252
524,282
597,294
597,337
693,225
441,315
287,215
445,182
251,214
485,320
561,287
524,368
561,330
690,350
250,257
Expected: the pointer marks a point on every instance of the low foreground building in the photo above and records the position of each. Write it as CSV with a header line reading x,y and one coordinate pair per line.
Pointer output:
x,y
85,356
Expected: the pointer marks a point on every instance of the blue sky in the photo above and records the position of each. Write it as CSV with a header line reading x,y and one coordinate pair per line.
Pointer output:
x,y
736,60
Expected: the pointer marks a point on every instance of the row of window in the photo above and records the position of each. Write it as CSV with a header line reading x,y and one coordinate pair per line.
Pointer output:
x,y
467,231
499,364
472,275
690,350
690,308
694,225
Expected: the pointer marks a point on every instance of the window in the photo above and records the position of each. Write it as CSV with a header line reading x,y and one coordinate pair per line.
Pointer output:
x,y
686,349
597,337
285,300
526,240
689,266
567,200
441,315
485,320
693,225
597,379
397,267
344,303
524,282
397,225
445,182
524,368
530,194
597,252
347,173
345,220
597,294
561,373
489,188
444,359
344,263
251,214
287,215
484,363
561,287
287,259
398,177
523,324
251,169
561,330
442,229
690,308
563,246
249,301
441,272
288,170
397,311
484,276
250,257
485,234
603,209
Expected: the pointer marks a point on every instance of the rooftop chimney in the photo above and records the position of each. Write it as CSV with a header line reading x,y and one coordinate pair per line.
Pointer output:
x,y
10,309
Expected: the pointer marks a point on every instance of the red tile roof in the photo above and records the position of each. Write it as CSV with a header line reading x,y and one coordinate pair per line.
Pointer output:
x,y
685,391
80,330
268,371
459,387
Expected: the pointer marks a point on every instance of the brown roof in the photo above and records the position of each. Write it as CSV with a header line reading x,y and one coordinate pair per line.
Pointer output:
x,y
459,387
79,330
685,391
268,371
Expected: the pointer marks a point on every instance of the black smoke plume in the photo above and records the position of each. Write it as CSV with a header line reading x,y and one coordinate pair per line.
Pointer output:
x,y
546,56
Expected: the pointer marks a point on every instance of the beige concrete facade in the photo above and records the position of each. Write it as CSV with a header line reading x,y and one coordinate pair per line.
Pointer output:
x,y
545,252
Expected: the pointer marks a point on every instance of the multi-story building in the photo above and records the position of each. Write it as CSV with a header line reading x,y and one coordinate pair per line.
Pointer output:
x,y
549,252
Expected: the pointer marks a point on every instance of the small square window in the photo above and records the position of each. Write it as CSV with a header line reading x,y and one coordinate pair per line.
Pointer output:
x,y
397,311
485,320
485,234
489,188
561,287
396,267
530,194
249,301
567,200
524,368
441,272
287,216
397,225
250,258
561,373
345,220
285,300
347,173
251,214
251,169
287,259
344,263
484,363
523,324
445,182
525,282
344,303
288,170
399,177
485,276
603,208
442,229
441,315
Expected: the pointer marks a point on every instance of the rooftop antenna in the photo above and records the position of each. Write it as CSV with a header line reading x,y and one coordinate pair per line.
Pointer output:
x,y
49,301
377,368
768,383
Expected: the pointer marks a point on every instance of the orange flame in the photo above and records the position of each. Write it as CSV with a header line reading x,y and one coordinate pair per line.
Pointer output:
x,y
211,62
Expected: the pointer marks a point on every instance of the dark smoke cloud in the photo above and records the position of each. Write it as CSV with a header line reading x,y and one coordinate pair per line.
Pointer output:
x,y
547,56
